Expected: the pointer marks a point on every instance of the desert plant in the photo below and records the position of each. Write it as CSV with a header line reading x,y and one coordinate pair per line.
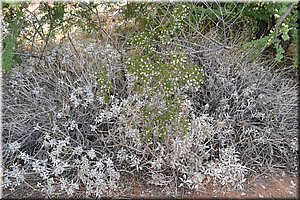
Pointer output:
x,y
177,107
257,100
60,135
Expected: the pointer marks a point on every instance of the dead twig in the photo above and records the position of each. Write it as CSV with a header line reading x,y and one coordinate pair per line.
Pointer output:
x,y
283,17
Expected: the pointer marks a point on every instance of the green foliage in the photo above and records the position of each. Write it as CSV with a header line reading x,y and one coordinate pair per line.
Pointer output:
x,y
10,41
212,15
295,36
260,11
161,73
257,46
40,26
105,85
264,12
279,50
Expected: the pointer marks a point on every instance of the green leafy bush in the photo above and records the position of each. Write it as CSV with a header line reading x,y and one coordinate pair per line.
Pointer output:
x,y
270,13
161,72
10,38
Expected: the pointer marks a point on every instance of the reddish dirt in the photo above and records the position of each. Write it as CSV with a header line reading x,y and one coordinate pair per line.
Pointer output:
x,y
275,186
268,186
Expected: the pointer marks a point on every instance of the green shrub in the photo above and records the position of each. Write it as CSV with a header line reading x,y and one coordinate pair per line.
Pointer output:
x,y
10,38
161,72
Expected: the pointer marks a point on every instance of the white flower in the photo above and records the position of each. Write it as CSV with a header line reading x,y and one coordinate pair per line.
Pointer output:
x,y
101,100
109,114
85,105
77,161
185,181
91,153
121,155
89,98
24,156
70,191
93,173
54,129
56,161
44,174
93,128
36,91
73,125
99,165
206,107
59,168
72,97
124,102
77,103
99,118
36,166
6,182
100,175
60,81
109,162
89,188
63,183
157,164
72,188
115,109
78,150
80,90
135,162
13,147
59,115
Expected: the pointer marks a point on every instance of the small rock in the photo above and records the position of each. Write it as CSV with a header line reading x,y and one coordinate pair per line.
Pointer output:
x,y
260,196
243,194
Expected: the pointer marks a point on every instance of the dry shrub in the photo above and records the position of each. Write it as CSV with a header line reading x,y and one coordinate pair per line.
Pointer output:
x,y
59,133
257,100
